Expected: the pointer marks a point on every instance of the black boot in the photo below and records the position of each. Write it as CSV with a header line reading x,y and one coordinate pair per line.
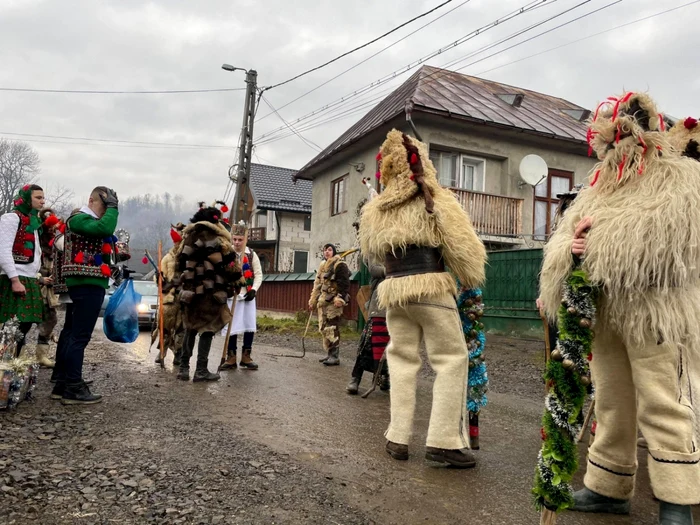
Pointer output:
x,y
79,394
456,457
353,387
384,382
672,514
246,362
58,389
585,500
178,357
202,373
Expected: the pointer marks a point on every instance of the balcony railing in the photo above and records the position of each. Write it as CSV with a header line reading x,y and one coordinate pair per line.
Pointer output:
x,y
257,234
492,214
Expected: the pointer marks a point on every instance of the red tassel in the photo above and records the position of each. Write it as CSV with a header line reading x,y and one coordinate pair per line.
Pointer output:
x,y
51,242
80,258
379,156
62,227
51,220
216,217
105,270
690,123
617,135
414,158
106,248
662,124
621,167
225,219
144,260
175,236
595,178
224,208
378,175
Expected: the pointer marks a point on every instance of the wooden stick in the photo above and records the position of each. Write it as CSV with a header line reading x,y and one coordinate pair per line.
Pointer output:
x,y
548,517
160,304
587,421
376,376
224,354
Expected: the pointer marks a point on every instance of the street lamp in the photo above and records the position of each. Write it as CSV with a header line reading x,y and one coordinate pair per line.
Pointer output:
x,y
229,67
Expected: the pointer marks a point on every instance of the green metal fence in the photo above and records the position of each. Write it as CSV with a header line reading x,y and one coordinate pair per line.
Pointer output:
x,y
512,286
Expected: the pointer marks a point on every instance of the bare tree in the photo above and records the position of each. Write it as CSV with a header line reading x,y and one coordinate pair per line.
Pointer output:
x,y
60,199
19,165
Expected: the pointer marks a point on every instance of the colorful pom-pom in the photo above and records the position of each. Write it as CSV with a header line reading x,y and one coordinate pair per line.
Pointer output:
x,y
414,158
25,187
80,258
51,220
62,227
144,260
97,260
106,248
378,174
224,208
247,274
379,156
29,237
104,269
175,235
19,202
28,252
51,241
690,123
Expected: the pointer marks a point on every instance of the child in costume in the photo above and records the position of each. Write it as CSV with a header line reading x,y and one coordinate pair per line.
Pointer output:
x,y
637,228
329,296
416,228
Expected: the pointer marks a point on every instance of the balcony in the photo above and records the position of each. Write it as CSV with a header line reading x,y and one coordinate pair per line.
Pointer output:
x,y
257,234
492,215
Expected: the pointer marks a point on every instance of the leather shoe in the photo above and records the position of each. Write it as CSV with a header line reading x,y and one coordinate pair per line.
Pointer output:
x,y
456,458
397,450
585,500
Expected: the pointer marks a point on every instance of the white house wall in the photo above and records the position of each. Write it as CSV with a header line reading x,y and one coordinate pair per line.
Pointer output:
x,y
293,238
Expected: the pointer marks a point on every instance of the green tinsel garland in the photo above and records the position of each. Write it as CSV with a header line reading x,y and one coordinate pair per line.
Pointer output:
x,y
568,378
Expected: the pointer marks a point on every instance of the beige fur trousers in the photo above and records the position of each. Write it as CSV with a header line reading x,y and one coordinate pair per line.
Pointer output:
x,y
436,320
647,385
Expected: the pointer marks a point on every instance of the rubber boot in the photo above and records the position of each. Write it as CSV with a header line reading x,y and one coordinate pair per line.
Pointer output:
x,y
246,362
585,500
79,394
42,355
672,514
333,359
202,372
353,387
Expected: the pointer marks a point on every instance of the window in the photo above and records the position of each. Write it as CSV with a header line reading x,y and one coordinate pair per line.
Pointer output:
x,y
546,201
459,171
301,261
338,195
262,219
307,223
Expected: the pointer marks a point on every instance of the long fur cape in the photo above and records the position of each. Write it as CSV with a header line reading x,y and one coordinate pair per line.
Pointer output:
x,y
398,218
644,244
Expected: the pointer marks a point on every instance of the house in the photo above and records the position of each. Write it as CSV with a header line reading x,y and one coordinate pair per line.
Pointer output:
x,y
478,131
280,226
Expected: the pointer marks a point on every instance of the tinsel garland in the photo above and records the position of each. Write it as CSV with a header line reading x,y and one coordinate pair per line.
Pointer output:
x,y
568,379
18,375
471,309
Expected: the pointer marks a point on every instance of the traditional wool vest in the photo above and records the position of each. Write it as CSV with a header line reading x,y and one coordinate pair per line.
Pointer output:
x,y
23,247
85,256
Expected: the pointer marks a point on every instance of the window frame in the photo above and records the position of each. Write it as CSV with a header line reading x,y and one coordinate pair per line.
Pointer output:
x,y
294,252
307,220
550,200
335,183
478,162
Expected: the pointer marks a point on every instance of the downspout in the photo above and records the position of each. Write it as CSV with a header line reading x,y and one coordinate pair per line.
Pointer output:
x,y
408,109
277,242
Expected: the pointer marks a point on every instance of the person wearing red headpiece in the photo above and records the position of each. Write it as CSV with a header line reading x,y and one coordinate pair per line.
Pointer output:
x,y
20,259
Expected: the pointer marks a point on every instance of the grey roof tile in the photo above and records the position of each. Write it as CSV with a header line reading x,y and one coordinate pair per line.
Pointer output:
x,y
275,189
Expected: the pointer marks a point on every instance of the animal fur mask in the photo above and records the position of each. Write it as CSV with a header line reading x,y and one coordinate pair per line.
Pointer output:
x,y
405,171
684,136
626,134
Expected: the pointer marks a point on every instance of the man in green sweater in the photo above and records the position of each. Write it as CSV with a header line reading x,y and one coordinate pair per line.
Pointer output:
x,y
86,258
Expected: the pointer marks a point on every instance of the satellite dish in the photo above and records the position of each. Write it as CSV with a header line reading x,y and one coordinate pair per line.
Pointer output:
x,y
533,170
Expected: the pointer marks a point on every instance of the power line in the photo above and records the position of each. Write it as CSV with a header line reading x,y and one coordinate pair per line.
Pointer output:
x,y
359,47
309,143
522,10
69,143
589,36
369,58
100,92
90,139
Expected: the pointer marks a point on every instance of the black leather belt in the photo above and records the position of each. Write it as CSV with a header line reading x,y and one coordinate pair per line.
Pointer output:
x,y
413,261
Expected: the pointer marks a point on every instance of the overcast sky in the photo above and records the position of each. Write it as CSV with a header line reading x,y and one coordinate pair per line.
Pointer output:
x,y
180,45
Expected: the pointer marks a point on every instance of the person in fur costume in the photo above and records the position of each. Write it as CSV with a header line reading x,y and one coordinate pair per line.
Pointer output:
x,y
637,228
210,275
173,330
416,228
330,294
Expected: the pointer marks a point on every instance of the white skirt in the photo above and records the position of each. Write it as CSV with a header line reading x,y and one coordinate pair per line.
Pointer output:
x,y
243,317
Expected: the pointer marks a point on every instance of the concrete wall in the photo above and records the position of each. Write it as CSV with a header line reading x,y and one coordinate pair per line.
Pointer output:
x,y
293,238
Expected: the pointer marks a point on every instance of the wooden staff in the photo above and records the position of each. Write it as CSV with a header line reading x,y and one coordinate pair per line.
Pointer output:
x,y
160,304
589,415
547,347
224,354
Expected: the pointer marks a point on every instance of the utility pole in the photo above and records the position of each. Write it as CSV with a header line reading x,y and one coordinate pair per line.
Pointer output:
x,y
239,210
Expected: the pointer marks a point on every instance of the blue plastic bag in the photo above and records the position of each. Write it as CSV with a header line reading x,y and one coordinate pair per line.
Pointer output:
x,y
121,320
